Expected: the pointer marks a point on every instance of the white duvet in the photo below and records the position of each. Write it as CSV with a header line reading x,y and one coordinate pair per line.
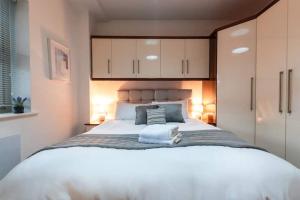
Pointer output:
x,y
188,173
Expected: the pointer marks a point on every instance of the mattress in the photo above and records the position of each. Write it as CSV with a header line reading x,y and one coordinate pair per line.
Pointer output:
x,y
185,173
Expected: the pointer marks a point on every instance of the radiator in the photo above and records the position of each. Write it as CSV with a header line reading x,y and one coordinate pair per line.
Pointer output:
x,y
10,153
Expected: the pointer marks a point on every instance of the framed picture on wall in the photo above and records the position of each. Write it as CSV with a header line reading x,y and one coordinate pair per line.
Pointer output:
x,y
59,61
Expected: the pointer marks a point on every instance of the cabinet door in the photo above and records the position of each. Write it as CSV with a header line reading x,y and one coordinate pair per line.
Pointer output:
x,y
101,59
148,58
271,60
293,118
197,58
236,80
172,58
123,58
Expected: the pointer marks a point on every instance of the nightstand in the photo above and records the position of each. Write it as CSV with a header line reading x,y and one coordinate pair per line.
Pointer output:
x,y
89,126
213,124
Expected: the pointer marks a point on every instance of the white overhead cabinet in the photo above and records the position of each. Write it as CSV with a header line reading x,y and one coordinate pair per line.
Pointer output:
x,y
271,79
150,58
185,58
172,58
236,80
124,58
197,58
101,62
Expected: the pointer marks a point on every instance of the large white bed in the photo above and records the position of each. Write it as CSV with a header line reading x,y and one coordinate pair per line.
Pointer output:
x,y
187,173
183,173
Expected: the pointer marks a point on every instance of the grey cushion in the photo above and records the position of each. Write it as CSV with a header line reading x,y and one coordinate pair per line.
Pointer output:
x,y
156,116
173,112
141,113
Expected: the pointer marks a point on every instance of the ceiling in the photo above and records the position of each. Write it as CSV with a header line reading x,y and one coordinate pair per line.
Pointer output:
x,y
173,9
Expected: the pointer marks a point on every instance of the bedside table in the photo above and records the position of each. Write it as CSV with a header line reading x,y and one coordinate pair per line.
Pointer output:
x,y
213,124
89,126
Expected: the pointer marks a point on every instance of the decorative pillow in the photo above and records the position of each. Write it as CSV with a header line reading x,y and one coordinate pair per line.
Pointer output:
x,y
156,116
141,114
126,111
184,104
173,112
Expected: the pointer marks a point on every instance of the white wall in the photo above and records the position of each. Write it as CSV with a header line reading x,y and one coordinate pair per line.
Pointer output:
x,y
55,101
158,28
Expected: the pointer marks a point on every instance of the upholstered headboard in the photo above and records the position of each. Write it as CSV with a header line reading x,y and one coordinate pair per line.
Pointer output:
x,y
149,95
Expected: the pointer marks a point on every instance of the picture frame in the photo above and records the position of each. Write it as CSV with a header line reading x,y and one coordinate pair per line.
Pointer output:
x,y
60,65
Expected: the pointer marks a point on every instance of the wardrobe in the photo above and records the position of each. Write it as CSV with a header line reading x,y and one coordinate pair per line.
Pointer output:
x,y
236,80
278,80
259,93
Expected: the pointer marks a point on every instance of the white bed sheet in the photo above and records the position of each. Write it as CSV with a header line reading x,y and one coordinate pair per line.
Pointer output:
x,y
186,173
129,127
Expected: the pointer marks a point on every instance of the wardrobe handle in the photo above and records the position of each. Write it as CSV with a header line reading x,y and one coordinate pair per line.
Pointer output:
x,y
108,66
182,67
252,94
290,73
187,66
138,66
133,70
280,91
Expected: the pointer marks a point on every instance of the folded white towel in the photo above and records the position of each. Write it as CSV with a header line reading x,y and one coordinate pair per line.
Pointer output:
x,y
159,132
174,140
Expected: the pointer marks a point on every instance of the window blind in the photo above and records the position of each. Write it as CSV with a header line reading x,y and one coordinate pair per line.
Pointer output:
x,y
7,52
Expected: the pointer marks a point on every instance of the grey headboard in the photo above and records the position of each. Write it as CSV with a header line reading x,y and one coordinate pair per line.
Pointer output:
x,y
149,95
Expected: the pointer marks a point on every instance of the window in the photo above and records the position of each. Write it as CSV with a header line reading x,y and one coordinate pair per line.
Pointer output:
x,y
7,53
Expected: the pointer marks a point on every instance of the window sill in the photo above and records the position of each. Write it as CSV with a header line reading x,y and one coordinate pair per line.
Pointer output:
x,y
10,116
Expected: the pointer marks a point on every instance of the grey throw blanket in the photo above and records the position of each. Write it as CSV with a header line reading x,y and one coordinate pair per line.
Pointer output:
x,y
130,141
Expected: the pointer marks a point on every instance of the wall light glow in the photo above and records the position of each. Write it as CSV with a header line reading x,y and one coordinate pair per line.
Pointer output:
x,y
240,50
101,100
197,100
100,107
197,107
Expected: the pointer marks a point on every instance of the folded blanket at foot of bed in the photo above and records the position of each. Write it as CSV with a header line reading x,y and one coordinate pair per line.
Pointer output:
x,y
130,141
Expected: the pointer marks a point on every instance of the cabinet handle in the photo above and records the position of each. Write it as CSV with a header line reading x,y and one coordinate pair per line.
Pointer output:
x,y
182,67
290,73
187,66
138,66
133,70
280,91
108,66
252,94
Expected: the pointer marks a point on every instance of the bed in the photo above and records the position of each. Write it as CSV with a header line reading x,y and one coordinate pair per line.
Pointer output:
x,y
183,173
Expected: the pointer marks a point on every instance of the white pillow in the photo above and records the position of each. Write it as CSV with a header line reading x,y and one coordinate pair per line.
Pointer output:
x,y
184,104
126,111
